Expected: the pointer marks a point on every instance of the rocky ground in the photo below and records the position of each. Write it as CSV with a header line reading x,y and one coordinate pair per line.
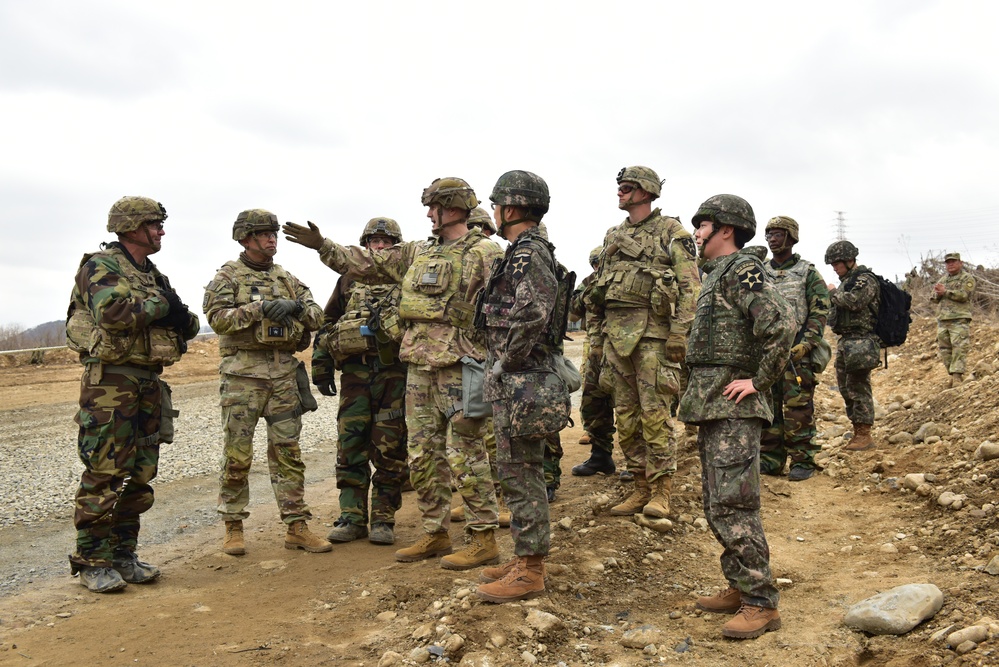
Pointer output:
x,y
919,509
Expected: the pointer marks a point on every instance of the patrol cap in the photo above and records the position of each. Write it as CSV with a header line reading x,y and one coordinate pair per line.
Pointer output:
x,y
952,255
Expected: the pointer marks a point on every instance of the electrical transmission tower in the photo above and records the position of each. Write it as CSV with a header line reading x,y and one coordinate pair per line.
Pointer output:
x,y
840,226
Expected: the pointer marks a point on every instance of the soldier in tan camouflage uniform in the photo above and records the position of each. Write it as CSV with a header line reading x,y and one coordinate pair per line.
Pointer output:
x,y
439,278
649,283
127,323
954,316
263,315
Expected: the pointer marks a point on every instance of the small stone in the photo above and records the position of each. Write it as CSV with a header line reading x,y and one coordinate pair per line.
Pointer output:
x,y
565,523
943,633
453,644
965,647
390,659
386,616
650,650
974,633
701,523
913,480
889,548
542,621
419,655
641,637
900,438
781,581
987,451
64,614
993,566
896,611
528,658
498,639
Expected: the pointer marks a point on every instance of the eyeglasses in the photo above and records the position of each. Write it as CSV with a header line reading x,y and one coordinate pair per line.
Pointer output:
x,y
265,234
772,233
626,189
156,224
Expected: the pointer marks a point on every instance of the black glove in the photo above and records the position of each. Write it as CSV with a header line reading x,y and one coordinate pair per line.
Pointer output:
x,y
326,387
282,310
178,317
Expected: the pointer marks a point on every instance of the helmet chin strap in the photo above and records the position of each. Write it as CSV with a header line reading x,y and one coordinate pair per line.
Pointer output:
x,y
504,223
704,243
149,239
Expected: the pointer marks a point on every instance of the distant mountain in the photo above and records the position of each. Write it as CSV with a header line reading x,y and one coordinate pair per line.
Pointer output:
x,y
49,334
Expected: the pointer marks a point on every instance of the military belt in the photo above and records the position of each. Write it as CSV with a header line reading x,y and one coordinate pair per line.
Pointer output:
x,y
131,371
386,415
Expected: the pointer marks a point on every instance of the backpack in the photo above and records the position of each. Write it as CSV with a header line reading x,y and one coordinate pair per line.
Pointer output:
x,y
893,318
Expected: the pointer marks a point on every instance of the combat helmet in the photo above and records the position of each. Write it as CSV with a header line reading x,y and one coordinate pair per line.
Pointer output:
x,y
789,225
727,210
450,192
253,220
381,227
480,218
841,251
646,178
523,189
595,255
129,213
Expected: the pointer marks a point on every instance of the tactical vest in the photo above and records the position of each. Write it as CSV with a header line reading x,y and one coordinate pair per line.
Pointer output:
x,y
345,337
720,335
431,286
791,284
847,322
265,334
150,346
638,270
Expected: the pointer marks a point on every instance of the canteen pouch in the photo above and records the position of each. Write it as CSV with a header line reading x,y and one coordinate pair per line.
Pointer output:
x,y
472,376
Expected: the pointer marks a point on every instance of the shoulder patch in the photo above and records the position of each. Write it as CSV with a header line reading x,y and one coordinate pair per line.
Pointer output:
x,y
750,276
688,245
519,263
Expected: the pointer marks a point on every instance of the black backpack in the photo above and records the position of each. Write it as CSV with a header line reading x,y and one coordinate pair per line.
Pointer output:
x,y
892,324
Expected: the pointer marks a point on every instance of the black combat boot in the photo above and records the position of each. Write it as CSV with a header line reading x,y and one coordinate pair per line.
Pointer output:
x,y
600,461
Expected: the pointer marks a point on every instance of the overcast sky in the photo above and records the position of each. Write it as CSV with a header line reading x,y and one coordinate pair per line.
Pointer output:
x,y
339,112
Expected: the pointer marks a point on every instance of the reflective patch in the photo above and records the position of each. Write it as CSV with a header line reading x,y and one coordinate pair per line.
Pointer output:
x,y
519,264
751,277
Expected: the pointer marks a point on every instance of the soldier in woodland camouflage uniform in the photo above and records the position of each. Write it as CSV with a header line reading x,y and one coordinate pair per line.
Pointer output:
x,y
739,345
360,336
263,315
954,316
530,401
793,428
127,323
439,278
855,308
596,407
649,283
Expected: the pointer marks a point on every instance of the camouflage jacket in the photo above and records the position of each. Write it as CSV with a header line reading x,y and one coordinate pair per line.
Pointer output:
x,y
855,303
349,304
742,322
955,302
114,309
580,308
806,291
439,283
234,304
648,281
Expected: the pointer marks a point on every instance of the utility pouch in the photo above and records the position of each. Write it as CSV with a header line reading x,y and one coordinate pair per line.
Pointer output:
x,y
860,354
538,402
164,345
434,277
568,373
472,377
167,413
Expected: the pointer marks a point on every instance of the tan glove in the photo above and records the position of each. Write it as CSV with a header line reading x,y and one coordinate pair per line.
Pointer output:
x,y
799,351
309,236
676,347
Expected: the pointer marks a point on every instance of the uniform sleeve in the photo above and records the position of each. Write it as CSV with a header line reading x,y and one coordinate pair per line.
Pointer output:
x,y
683,254
108,295
773,327
373,267
863,293
577,307
962,289
312,315
224,316
817,295
535,291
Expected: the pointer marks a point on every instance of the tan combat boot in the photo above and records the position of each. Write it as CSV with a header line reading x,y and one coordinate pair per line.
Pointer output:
x,y
458,514
430,545
300,537
751,621
480,550
662,489
728,601
861,440
503,514
525,580
585,440
491,574
638,499
956,379
233,543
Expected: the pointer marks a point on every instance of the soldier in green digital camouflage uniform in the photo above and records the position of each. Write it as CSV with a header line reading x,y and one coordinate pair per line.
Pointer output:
x,y
649,283
263,315
360,336
518,312
439,278
854,314
739,346
954,316
127,323
793,429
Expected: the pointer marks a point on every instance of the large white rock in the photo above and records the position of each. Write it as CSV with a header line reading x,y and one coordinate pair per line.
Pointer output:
x,y
896,611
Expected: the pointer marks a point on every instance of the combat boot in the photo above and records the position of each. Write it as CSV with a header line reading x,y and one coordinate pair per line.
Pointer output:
x,y
585,440
430,545
600,461
458,514
491,574
382,533
638,499
345,531
525,580
751,621
728,601
131,569
101,579
861,440
480,550
233,543
956,379
300,537
662,490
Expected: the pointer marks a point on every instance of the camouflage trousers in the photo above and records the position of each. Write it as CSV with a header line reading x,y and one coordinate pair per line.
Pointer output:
x,y
433,401
856,390
730,483
244,401
646,385
521,461
118,444
372,433
596,407
553,460
793,429
953,338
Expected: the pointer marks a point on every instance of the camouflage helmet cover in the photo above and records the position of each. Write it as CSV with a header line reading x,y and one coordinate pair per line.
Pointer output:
x,y
381,227
480,218
726,210
253,220
646,178
450,192
841,251
595,255
129,213
789,225
521,188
